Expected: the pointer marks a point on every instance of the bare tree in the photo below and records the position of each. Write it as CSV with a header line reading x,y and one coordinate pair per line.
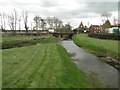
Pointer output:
x,y
56,22
106,15
19,20
31,26
4,20
50,22
11,21
37,20
60,24
15,19
115,21
1,21
43,24
25,19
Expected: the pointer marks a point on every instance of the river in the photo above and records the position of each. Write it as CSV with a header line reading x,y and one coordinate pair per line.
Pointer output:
x,y
92,65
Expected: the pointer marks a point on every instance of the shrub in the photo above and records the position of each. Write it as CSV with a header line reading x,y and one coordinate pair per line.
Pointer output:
x,y
113,36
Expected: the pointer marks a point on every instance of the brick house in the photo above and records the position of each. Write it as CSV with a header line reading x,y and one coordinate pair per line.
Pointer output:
x,y
95,28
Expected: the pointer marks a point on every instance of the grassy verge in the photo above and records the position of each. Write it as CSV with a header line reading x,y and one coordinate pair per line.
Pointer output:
x,y
100,47
20,43
0,64
13,38
41,66
95,44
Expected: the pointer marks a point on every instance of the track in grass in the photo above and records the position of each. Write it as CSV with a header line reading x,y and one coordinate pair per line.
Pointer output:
x,y
41,66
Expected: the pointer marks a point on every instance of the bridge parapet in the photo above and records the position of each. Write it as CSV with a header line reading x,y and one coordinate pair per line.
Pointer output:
x,y
61,34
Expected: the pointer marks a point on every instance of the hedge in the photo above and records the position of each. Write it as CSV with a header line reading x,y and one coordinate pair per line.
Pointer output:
x,y
113,36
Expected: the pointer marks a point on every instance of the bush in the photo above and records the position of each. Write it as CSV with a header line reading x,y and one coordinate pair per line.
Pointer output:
x,y
113,36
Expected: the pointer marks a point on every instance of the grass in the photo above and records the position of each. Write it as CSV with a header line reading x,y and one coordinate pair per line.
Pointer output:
x,y
12,38
0,64
13,43
41,66
94,44
45,65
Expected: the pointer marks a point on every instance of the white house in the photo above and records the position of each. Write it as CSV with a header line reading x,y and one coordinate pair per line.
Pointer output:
x,y
109,30
112,30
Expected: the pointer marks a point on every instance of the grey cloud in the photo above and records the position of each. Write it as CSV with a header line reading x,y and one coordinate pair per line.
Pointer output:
x,y
43,8
48,3
92,7
99,7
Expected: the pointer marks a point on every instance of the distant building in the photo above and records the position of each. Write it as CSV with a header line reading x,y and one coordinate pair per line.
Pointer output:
x,y
80,28
112,30
51,30
95,29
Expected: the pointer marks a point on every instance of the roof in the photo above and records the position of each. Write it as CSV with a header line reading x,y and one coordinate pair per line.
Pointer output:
x,y
80,26
95,25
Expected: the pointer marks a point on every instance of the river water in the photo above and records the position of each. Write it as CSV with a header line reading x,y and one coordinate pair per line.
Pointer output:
x,y
92,65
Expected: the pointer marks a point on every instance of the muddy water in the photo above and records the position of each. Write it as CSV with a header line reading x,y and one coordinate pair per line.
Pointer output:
x,y
92,65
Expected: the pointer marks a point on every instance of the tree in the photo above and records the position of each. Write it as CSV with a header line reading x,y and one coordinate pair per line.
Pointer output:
x,y
40,22
31,26
115,21
60,24
11,21
49,21
43,23
67,27
19,20
55,22
37,20
3,21
107,24
25,19
15,19
105,15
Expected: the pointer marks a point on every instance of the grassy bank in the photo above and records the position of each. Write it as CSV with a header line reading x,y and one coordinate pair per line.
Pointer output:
x,y
19,43
13,38
0,69
41,66
108,49
96,45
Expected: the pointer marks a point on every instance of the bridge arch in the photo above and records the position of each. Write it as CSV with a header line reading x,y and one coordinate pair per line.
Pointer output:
x,y
60,35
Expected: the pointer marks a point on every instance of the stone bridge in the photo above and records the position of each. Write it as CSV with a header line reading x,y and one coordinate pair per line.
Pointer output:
x,y
61,34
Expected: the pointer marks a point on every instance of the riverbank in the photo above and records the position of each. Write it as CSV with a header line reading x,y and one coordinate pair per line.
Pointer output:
x,y
91,65
41,66
27,41
45,65
106,49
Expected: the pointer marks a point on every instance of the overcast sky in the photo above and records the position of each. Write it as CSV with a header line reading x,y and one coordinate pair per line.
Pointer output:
x,y
72,11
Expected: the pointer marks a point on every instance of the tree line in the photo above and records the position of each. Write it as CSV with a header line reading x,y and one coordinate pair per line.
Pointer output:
x,y
14,21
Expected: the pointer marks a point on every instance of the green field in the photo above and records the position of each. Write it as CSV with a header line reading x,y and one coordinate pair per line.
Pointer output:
x,y
41,66
0,64
95,45
46,65
12,38
14,43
